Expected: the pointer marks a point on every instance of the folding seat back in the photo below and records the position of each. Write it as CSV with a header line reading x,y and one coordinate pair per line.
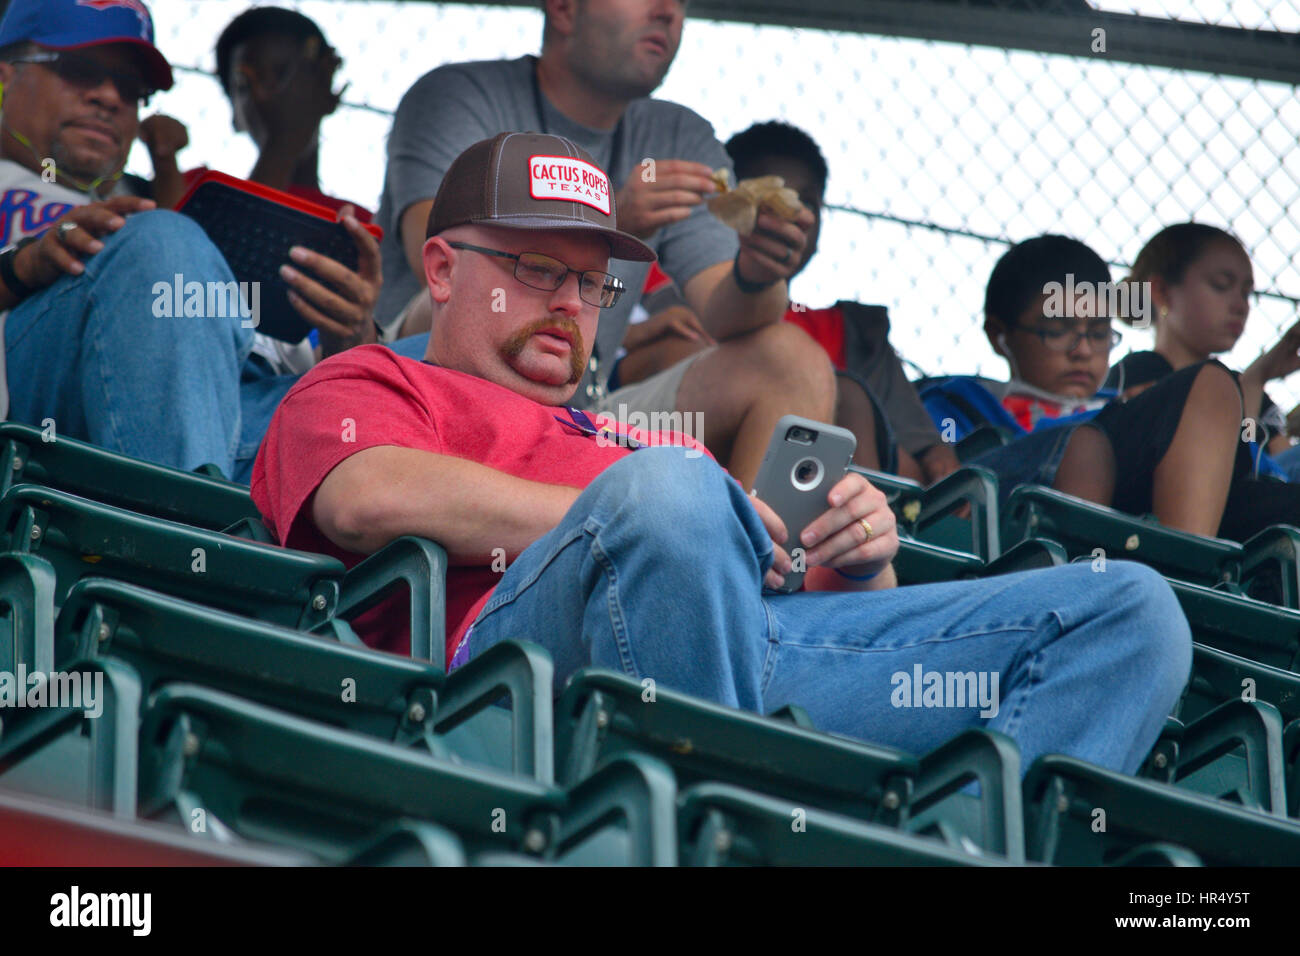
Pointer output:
x,y
602,713
39,833
28,455
76,737
270,776
1240,625
722,825
27,585
927,514
80,538
393,698
1082,527
296,589
1078,814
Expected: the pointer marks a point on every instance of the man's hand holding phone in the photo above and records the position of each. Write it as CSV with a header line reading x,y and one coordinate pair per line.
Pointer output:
x,y
838,538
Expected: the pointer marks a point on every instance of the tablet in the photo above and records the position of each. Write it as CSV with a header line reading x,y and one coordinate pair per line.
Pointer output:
x,y
254,226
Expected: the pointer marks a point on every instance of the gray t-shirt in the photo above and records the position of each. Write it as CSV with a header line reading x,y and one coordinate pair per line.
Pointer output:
x,y
454,106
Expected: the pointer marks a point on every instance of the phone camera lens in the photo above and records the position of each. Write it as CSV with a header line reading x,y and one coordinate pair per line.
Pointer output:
x,y
806,474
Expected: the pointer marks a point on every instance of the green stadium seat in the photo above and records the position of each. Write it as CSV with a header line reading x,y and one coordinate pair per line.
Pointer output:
x,y
723,825
1082,527
1234,752
1270,569
919,562
66,464
393,698
26,613
1159,854
42,833
62,753
1080,815
982,439
276,778
81,538
1291,755
410,843
1218,676
1240,625
927,514
602,713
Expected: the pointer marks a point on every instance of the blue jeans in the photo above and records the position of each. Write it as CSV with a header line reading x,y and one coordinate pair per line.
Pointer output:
x,y
90,353
656,571
1289,460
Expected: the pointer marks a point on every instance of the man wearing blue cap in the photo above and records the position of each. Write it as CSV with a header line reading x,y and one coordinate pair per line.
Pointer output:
x,y
84,348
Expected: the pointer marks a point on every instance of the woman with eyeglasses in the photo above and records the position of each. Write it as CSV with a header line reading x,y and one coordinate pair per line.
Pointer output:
x,y
1173,450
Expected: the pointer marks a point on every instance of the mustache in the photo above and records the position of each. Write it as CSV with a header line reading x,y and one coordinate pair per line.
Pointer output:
x,y
577,355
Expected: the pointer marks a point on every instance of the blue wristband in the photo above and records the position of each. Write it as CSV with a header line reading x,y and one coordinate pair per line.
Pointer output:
x,y
854,577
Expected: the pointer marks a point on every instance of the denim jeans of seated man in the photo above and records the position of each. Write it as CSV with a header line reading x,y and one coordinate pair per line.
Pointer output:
x,y
656,571
92,353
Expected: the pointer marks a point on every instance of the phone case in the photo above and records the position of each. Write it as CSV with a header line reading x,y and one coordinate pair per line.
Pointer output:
x,y
796,476
253,226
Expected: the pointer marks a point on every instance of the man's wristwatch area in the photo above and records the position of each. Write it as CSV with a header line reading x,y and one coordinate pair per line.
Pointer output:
x,y
745,286
8,276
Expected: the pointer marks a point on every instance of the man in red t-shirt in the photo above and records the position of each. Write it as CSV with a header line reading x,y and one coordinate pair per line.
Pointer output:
x,y
653,561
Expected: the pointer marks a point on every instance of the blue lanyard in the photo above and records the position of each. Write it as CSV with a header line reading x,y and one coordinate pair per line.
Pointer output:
x,y
581,421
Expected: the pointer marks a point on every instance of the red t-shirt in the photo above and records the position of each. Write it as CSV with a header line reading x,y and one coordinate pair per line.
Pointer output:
x,y
370,396
826,326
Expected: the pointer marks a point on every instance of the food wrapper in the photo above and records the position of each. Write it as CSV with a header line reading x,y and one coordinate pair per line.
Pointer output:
x,y
739,207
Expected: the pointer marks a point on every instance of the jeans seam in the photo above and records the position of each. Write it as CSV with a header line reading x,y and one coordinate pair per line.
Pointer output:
x,y
500,598
773,644
617,619
923,643
109,409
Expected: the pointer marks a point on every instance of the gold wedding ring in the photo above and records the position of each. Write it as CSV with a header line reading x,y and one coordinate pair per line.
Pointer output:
x,y
866,526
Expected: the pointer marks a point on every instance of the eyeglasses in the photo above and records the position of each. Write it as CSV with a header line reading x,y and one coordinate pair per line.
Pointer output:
x,y
1067,340
542,272
88,72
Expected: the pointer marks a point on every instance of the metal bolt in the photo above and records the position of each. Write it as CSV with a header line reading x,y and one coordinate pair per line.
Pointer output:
x,y
1161,760
318,602
18,464
891,800
602,718
1062,803
104,631
1131,542
534,841
191,746
722,841
415,714
36,533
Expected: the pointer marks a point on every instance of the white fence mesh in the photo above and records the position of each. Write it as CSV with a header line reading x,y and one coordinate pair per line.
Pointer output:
x,y
940,153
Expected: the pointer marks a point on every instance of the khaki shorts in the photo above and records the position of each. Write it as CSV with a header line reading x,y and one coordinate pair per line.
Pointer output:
x,y
658,393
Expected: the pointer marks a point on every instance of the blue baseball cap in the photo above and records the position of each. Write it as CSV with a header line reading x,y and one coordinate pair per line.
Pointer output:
x,y
73,24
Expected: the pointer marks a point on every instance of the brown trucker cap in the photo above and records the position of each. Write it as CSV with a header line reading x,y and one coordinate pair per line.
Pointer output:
x,y
532,181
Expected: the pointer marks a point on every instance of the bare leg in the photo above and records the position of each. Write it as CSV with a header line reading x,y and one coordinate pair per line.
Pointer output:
x,y
639,364
854,411
746,384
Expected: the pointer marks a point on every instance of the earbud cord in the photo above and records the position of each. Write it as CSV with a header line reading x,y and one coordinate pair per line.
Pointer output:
x,y
92,188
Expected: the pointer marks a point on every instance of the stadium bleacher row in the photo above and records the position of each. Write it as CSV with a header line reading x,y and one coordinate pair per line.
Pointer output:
x,y
242,722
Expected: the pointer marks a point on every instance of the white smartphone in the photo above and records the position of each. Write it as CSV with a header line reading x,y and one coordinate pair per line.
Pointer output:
x,y
804,460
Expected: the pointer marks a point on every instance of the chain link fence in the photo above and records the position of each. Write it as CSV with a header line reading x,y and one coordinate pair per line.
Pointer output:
x,y
940,153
